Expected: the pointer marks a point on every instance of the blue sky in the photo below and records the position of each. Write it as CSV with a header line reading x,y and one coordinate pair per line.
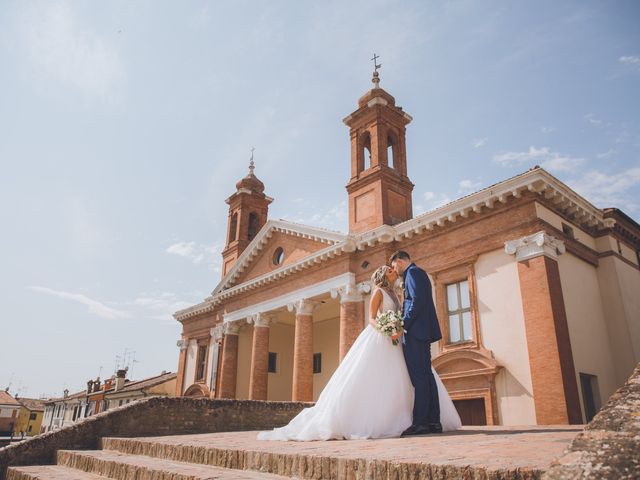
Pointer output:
x,y
124,126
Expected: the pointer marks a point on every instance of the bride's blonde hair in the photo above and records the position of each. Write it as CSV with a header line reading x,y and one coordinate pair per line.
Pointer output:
x,y
379,277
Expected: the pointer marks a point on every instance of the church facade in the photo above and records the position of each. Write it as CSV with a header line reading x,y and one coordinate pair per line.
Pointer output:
x,y
536,289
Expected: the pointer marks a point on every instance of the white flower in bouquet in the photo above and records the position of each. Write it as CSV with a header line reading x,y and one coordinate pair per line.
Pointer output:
x,y
390,323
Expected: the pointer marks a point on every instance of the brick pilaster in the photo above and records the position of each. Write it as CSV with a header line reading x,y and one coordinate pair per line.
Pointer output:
x,y
229,366
302,390
258,378
351,324
553,377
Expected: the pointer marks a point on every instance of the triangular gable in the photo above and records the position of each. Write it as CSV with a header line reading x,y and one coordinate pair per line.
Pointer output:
x,y
297,241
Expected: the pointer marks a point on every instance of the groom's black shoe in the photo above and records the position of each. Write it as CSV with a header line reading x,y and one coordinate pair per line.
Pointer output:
x,y
435,427
416,430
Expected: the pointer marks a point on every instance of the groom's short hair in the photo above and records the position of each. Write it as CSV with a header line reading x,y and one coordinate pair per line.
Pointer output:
x,y
400,254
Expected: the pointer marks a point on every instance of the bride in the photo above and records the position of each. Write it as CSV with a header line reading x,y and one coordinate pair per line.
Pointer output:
x,y
370,394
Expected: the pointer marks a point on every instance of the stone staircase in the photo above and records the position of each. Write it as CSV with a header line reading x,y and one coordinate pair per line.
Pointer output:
x,y
112,464
499,453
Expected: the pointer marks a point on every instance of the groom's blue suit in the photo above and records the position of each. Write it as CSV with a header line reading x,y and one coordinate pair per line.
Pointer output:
x,y
421,324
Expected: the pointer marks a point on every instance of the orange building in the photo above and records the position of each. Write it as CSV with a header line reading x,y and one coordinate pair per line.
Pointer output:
x,y
536,289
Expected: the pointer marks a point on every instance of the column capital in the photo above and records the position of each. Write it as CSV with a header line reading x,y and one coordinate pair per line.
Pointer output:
x,y
182,344
232,328
535,245
351,292
217,332
261,319
303,306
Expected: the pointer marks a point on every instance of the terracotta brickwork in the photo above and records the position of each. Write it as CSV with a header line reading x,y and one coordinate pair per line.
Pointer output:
x,y
351,323
229,366
555,390
303,359
259,364
379,190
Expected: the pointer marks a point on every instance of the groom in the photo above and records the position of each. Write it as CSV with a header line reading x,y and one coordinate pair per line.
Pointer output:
x,y
421,324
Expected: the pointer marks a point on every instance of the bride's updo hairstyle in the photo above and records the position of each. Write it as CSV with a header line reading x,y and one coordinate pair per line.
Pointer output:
x,y
379,277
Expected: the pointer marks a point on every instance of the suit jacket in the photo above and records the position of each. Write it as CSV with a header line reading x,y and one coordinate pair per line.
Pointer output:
x,y
419,312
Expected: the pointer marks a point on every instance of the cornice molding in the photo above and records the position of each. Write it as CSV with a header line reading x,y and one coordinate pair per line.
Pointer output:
x,y
537,181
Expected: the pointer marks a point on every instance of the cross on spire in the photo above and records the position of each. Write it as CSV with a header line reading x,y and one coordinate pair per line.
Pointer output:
x,y
251,164
376,66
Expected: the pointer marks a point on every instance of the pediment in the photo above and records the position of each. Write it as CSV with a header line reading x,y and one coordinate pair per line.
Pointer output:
x,y
296,241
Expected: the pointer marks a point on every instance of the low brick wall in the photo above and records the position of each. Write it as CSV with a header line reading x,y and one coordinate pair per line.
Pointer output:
x,y
155,416
609,446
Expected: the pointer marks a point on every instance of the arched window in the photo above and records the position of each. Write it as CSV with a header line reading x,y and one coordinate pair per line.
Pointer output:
x,y
253,225
390,147
366,150
233,227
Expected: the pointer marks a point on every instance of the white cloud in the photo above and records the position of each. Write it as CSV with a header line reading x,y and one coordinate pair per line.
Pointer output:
x,y
334,217
161,306
433,200
630,61
592,119
468,186
198,253
63,50
479,142
543,156
546,129
608,190
96,307
608,154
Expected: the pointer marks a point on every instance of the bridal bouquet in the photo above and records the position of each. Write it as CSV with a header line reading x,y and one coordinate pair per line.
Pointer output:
x,y
390,323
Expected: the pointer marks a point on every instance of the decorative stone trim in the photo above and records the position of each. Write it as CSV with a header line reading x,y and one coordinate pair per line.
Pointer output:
x,y
351,292
232,328
534,246
261,319
311,291
303,306
217,332
182,344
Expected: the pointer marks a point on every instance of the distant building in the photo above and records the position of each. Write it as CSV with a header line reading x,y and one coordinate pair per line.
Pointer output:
x,y
63,411
30,417
100,396
9,411
123,393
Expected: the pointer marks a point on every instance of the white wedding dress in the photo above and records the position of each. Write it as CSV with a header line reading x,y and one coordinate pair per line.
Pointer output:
x,y
369,395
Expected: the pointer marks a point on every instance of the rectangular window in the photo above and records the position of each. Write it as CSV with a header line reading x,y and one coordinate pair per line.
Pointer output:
x,y
317,362
590,395
568,231
459,312
201,363
33,416
273,362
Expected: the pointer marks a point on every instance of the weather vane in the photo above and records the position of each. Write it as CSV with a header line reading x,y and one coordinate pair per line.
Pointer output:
x,y
251,164
376,66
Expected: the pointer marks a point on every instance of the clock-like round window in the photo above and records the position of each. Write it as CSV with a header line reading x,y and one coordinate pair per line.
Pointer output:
x,y
278,256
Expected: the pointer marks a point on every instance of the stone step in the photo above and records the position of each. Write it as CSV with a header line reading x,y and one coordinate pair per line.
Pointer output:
x,y
503,453
122,466
50,472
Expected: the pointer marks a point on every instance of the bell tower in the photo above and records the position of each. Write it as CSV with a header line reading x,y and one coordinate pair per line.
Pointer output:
x,y
379,189
248,209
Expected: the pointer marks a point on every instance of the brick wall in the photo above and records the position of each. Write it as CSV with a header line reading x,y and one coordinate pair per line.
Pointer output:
x,y
151,417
